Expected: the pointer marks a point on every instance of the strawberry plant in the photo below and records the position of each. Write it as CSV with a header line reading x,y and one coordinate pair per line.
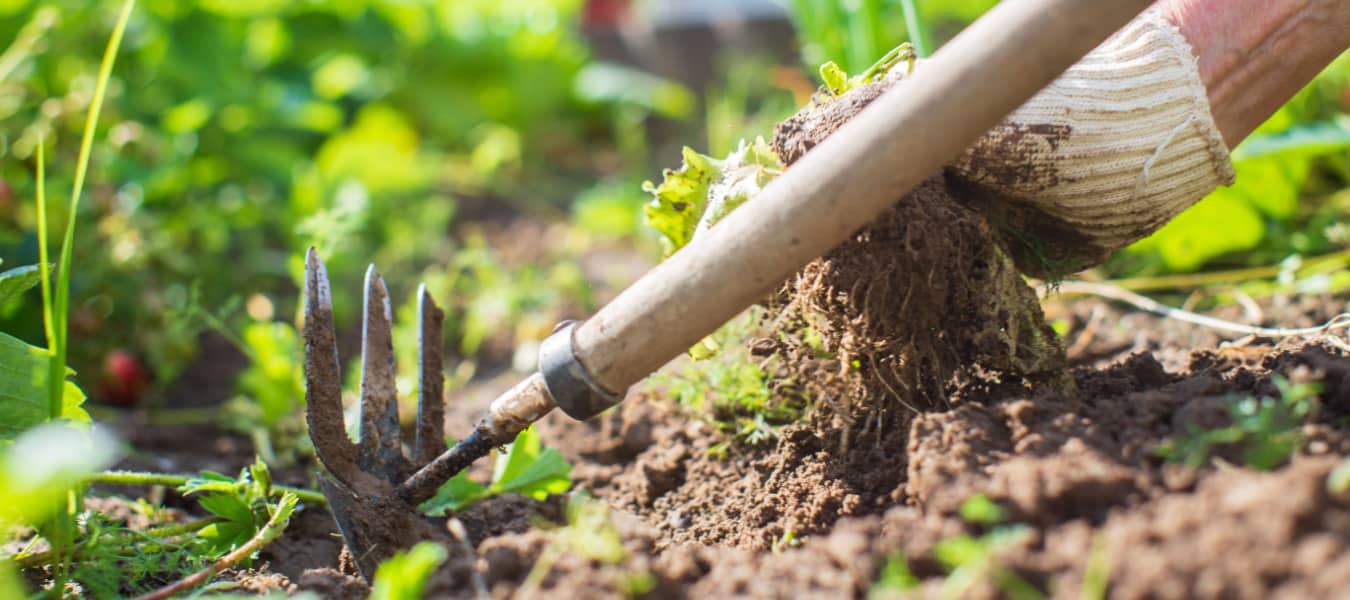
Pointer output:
x,y
525,468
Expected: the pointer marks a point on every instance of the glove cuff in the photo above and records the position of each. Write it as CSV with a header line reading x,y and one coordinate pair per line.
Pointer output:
x,y
1117,146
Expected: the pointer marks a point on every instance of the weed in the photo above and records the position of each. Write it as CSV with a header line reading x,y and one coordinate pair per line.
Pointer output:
x,y
590,533
526,468
106,557
734,394
1097,573
837,81
1265,432
788,540
1338,481
404,576
970,560
895,579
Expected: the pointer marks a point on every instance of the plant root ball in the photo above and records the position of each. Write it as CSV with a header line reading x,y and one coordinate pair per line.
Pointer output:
x,y
924,293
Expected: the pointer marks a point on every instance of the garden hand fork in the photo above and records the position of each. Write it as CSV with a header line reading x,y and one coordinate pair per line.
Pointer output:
x,y
898,141
364,477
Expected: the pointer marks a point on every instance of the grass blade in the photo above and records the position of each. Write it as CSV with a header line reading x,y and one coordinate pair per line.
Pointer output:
x,y
57,339
55,370
914,27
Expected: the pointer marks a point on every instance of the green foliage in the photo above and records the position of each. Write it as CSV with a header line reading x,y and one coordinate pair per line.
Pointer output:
x,y
969,560
704,190
236,136
855,33
895,580
242,504
981,510
732,392
45,464
404,576
526,468
23,390
837,81
1283,201
1265,432
1338,481
271,388
16,281
591,532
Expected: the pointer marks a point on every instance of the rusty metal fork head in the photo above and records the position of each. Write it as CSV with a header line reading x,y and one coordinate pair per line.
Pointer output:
x,y
362,485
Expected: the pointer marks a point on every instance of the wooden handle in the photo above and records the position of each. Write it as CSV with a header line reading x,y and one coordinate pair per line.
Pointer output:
x,y
976,80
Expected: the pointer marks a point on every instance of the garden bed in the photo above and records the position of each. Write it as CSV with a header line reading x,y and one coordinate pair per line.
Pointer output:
x,y
1080,493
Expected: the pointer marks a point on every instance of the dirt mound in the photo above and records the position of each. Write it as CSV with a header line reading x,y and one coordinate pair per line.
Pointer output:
x,y
1077,471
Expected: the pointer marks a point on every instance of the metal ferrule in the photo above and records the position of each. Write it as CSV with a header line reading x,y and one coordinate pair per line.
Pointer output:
x,y
571,386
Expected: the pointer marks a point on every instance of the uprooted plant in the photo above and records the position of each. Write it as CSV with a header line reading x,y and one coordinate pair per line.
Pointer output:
x,y
883,322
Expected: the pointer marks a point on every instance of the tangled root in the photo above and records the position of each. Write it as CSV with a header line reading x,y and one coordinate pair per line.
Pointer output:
x,y
924,293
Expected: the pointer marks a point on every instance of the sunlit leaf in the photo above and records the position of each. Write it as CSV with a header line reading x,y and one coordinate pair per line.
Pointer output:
x,y
18,280
404,576
23,389
43,464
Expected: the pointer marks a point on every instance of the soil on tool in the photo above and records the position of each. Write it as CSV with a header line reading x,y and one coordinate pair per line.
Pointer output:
x,y
944,385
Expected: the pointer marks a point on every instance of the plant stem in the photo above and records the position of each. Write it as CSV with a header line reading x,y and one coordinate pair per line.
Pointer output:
x,y
62,305
1334,260
46,557
273,529
914,27
144,478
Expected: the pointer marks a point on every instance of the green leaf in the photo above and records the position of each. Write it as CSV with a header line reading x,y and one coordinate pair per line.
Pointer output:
x,y
44,464
1309,139
548,474
678,203
526,468
980,509
456,494
404,576
23,389
17,281
835,78
227,507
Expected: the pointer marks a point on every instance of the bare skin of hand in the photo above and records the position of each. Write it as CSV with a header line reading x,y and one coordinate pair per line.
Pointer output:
x,y
1254,55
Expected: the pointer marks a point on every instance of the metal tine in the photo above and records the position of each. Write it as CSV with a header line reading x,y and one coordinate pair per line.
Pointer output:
x,y
431,380
379,443
323,379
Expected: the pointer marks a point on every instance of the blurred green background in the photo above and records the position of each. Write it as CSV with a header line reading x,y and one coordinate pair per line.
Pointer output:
x,y
494,149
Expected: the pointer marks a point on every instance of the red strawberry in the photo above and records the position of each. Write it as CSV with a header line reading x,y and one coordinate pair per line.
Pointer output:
x,y
123,379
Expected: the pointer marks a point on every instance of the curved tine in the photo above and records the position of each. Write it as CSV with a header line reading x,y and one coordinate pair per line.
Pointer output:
x,y
323,379
431,380
379,444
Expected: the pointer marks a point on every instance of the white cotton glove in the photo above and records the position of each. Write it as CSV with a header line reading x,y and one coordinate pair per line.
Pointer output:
x,y
1118,145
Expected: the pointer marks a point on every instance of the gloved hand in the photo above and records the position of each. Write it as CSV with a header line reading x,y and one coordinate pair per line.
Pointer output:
x,y
1112,150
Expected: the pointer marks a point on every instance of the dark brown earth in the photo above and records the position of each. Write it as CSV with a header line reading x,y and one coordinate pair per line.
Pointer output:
x,y
1077,469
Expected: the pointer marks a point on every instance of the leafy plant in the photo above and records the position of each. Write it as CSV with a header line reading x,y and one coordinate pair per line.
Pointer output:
x,y
734,393
107,557
1264,431
895,579
590,533
404,576
703,190
1338,481
271,388
969,560
243,505
837,81
526,468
